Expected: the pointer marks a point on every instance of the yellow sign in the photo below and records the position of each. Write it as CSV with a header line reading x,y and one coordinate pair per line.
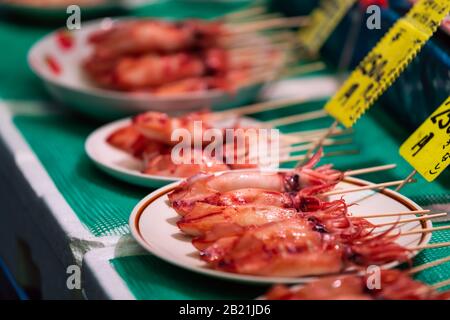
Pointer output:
x,y
428,149
382,66
324,20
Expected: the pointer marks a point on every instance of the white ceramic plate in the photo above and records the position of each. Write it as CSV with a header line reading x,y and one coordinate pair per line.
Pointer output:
x,y
153,225
124,166
70,85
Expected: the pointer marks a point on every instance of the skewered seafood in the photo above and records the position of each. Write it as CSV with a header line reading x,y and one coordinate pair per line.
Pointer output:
x,y
164,58
186,145
209,188
296,247
395,285
143,36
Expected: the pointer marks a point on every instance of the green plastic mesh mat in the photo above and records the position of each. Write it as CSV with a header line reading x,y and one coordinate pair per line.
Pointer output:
x,y
102,203
151,278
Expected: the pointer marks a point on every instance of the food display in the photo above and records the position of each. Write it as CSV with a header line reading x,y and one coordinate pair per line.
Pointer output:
x,y
168,58
279,224
225,149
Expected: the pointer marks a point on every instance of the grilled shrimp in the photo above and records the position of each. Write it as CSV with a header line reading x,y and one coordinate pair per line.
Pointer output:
x,y
395,285
208,188
244,216
287,248
143,36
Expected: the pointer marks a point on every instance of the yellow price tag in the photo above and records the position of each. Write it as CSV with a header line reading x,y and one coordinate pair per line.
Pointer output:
x,y
428,148
324,20
382,66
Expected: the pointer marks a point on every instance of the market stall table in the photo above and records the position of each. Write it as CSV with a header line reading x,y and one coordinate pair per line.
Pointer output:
x,y
59,210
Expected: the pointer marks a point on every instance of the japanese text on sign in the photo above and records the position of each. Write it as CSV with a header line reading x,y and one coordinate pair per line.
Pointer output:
x,y
387,60
428,148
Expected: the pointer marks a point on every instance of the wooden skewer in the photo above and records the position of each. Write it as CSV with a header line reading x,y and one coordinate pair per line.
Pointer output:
x,y
307,116
328,154
392,214
430,246
441,284
245,13
302,147
369,187
425,230
277,23
306,68
410,176
264,17
319,133
259,107
426,217
369,170
309,136
318,144
428,265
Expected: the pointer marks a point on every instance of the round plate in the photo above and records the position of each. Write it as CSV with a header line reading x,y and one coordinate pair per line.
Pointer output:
x,y
59,66
153,225
125,167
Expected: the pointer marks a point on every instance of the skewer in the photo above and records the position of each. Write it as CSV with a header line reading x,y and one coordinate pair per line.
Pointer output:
x,y
260,107
306,68
393,214
431,246
317,133
428,265
426,217
369,170
319,143
277,23
302,147
369,187
264,17
307,116
441,284
410,176
245,13
328,154
425,230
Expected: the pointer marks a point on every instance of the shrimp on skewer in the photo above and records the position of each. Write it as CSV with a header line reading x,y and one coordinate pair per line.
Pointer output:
x,y
163,165
151,70
209,188
143,36
395,285
293,248
209,220
159,126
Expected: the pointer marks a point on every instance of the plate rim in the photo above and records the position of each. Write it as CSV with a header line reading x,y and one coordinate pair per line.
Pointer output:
x,y
139,209
146,179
